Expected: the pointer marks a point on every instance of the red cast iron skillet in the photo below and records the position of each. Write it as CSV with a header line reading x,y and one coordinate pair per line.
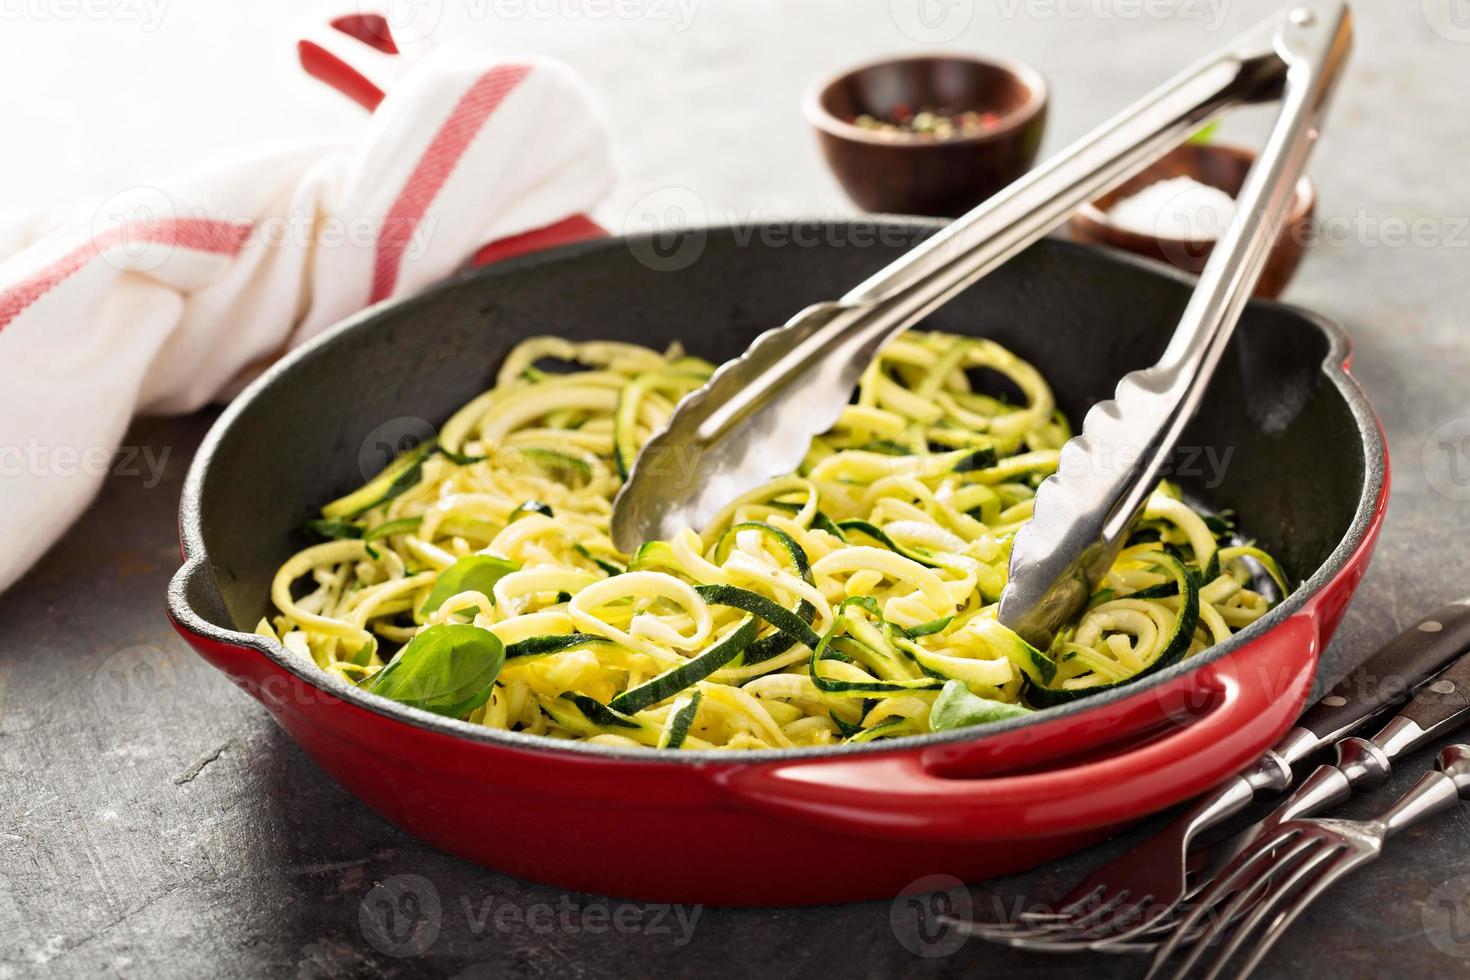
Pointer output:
x,y
1297,453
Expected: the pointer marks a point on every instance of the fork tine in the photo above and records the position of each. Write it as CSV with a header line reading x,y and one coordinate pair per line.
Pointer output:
x,y
1329,877
1222,888
1098,930
1284,892
1075,925
1034,923
1223,923
1074,917
1119,923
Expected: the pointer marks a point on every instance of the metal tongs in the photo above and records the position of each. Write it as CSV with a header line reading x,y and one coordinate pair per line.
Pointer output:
x,y
756,417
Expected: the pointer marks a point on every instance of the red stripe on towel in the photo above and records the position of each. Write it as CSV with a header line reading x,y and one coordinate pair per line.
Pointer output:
x,y
433,169
198,234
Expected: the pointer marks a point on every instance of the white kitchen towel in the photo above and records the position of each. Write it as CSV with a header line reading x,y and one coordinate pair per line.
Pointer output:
x,y
162,299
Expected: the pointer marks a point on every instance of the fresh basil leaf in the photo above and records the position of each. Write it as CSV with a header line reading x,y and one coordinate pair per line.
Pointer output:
x,y
364,656
956,707
448,669
472,573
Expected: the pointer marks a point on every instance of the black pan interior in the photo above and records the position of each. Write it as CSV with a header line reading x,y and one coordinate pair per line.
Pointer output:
x,y
1277,442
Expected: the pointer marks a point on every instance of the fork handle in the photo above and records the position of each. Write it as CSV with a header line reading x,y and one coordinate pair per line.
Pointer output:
x,y
1390,675
1434,793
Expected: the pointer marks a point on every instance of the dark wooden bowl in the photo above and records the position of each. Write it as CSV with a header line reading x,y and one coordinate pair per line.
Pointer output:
x,y
904,173
1219,166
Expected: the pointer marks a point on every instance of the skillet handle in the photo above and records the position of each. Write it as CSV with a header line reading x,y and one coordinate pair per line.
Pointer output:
x,y
577,228
353,54
1253,695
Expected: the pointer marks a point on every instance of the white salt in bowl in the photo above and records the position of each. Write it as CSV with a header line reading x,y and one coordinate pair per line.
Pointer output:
x,y
1187,218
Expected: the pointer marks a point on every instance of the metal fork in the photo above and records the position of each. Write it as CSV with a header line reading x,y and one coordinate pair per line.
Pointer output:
x,y
1123,902
1441,707
1125,897
1299,861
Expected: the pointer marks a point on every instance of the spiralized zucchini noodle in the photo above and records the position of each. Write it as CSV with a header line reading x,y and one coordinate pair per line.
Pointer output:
x,y
851,601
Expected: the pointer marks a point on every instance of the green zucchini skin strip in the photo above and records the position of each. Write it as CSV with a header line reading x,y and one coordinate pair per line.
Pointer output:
x,y
1272,567
1164,590
681,720
792,624
401,475
671,682
884,729
788,544
528,508
1037,666
929,628
600,714
625,412
612,568
333,530
460,459
545,646
859,526
983,458
820,521
781,641
1173,652
823,651
401,526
